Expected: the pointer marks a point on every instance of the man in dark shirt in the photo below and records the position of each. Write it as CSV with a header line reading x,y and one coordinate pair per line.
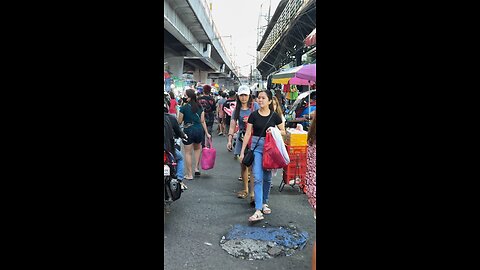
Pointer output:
x,y
208,105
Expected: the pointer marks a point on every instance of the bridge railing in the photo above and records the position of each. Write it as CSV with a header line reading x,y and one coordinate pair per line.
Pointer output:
x,y
288,14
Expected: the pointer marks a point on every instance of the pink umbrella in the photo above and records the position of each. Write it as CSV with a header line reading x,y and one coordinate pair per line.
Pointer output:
x,y
298,81
307,72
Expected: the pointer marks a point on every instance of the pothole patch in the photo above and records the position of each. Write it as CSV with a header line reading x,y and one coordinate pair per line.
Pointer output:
x,y
255,243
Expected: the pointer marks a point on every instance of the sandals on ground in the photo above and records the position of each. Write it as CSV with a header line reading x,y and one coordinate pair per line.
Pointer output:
x,y
266,210
242,194
183,186
256,217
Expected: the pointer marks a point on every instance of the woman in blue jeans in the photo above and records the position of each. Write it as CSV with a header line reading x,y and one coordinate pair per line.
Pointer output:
x,y
258,122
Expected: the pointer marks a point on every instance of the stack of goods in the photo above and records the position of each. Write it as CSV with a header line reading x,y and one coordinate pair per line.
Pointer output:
x,y
296,144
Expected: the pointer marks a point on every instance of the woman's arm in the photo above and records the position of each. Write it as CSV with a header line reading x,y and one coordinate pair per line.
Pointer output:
x,y
231,129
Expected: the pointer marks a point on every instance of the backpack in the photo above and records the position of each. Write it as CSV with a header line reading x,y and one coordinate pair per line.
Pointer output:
x,y
207,103
208,106
229,107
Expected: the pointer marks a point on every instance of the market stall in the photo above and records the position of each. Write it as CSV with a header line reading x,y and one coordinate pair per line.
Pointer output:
x,y
301,75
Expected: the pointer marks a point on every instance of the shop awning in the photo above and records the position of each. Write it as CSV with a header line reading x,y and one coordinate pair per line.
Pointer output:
x,y
301,75
311,39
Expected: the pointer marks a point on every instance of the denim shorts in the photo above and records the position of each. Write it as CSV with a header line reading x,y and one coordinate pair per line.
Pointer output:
x,y
238,145
195,135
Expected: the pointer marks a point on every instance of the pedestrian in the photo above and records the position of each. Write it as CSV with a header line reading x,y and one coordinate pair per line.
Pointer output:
x,y
311,175
281,99
277,107
173,131
226,105
243,109
173,105
258,122
221,113
207,102
193,117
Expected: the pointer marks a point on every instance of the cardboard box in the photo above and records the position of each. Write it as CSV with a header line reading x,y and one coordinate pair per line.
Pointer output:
x,y
296,139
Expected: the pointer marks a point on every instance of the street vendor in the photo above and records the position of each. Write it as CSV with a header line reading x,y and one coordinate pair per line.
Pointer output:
x,y
305,112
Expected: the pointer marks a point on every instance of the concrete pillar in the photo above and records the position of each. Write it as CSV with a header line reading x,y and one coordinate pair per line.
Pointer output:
x,y
175,65
200,76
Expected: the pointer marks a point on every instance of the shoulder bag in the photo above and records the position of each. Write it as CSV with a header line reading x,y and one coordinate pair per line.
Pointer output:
x,y
248,157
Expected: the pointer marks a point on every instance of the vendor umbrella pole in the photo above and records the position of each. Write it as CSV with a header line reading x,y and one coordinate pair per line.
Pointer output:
x,y
309,108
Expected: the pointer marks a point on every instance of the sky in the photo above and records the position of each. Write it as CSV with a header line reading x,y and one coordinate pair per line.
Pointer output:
x,y
240,20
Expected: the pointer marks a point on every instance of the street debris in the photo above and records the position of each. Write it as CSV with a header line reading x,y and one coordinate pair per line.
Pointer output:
x,y
256,243
208,244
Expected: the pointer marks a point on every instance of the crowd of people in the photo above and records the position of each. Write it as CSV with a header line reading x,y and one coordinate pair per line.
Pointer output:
x,y
244,118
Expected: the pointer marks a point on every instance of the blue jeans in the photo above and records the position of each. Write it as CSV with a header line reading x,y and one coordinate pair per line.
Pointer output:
x,y
180,164
263,178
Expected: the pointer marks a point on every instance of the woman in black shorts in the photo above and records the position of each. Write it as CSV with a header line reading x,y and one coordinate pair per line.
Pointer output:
x,y
193,117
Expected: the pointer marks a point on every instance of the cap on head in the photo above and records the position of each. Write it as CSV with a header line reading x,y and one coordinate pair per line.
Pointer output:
x,y
243,90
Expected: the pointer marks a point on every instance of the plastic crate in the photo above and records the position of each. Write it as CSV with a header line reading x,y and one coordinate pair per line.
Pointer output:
x,y
297,168
293,151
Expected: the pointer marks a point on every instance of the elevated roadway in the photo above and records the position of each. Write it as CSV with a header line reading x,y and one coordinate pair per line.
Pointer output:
x,y
193,44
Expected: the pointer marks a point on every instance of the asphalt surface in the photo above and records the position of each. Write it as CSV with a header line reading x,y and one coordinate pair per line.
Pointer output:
x,y
210,208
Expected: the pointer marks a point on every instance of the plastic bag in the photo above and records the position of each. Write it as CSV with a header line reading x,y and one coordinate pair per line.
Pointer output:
x,y
280,143
208,155
272,158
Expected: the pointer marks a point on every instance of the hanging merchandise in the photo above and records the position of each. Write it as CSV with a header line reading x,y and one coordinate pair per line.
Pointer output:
x,y
293,92
179,83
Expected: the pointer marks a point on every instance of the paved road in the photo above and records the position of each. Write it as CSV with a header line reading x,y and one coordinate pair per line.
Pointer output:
x,y
210,208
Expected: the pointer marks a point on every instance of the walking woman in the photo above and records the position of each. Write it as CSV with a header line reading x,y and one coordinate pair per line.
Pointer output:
x,y
193,117
311,176
245,106
277,107
258,122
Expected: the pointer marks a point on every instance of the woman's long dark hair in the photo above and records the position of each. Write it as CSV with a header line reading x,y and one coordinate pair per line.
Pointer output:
x,y
193,99
238,105
269,96
279,110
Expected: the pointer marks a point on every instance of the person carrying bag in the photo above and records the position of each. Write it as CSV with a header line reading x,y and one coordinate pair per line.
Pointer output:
x,y
208,155
248,158
275,155
258,122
